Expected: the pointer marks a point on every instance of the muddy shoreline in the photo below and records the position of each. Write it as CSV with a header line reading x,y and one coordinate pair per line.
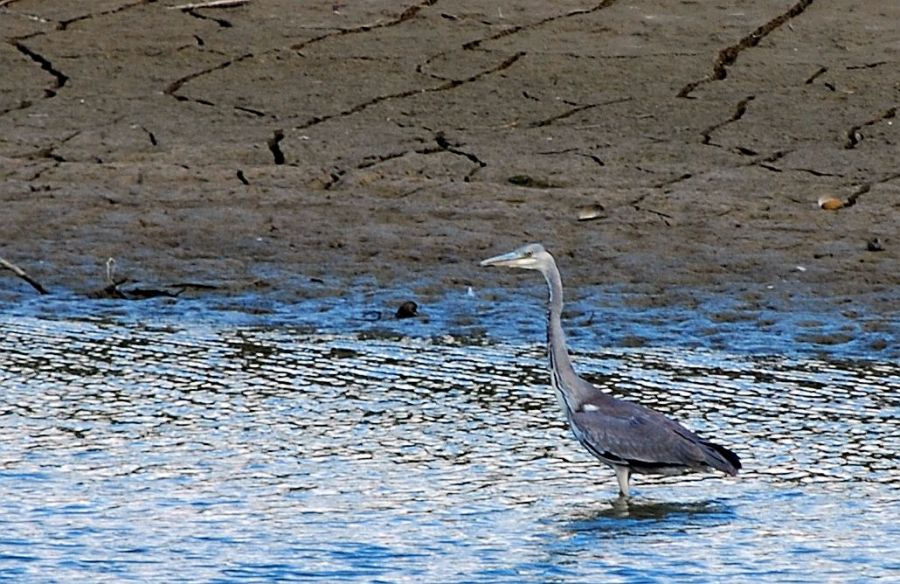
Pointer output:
x,y
316,151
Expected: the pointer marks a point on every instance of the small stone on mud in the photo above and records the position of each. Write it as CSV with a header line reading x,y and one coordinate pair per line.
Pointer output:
x,y
407,310
523,180
589,212
831,203
874,244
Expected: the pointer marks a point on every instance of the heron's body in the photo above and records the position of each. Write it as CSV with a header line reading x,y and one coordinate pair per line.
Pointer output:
x,y
627,436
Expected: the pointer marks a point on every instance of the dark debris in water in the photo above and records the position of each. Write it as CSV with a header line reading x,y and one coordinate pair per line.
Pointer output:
x,y
408,309
116,291
342,353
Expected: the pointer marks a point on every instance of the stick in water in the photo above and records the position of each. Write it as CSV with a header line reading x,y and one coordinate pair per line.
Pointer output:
x,y
21,273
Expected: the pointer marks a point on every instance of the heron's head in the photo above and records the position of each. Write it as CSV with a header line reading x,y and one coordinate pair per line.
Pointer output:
x,y
530,257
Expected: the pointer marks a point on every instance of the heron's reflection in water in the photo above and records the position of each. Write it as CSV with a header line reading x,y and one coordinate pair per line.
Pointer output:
x,y
609,514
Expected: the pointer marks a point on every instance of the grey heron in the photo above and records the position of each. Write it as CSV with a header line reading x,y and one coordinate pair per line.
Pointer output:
x,y
625,435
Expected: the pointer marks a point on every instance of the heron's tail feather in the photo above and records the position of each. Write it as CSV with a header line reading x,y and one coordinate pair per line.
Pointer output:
x,y
722,459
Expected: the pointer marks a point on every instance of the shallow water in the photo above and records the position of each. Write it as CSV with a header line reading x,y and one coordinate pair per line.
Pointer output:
x,y
223,452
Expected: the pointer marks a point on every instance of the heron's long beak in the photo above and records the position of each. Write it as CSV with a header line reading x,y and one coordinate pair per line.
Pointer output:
x,y
511,259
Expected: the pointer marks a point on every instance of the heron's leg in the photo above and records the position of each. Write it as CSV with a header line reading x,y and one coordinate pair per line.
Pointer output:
x,y
623,475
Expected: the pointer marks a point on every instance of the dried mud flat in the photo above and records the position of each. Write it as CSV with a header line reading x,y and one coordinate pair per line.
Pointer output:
x,y
300,148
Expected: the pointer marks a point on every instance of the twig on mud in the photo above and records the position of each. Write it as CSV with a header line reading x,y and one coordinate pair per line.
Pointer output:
x,y
112,289
112,285
211,4
21,273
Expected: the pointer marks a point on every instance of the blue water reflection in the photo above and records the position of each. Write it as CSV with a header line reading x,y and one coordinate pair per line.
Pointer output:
x,y
215,452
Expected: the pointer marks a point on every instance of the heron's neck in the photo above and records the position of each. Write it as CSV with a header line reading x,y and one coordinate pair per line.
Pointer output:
x,y
556,338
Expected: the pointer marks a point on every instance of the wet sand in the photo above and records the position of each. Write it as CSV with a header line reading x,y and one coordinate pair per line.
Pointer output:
x,y
303,149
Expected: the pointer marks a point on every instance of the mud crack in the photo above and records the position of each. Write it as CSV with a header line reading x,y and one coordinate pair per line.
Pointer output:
x,y
219,21
447,146
575,110
867,65
251,111
767,162
371,161
64,24
854,134
739,112
172,88
452,84
150,135
59,77
409,13
520,27
866,187
636,203
666,183
814,76
728,56
442,145
274,146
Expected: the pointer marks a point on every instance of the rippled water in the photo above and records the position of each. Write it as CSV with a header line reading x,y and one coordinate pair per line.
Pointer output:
x,y
227,453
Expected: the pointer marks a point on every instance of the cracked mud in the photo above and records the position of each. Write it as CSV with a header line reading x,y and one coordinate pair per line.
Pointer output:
x,y
397,143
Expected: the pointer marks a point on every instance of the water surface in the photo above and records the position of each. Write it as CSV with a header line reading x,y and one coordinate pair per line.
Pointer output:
x,y
205,451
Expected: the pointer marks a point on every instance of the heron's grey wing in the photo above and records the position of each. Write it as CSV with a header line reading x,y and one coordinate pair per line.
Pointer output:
x,y
639,435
